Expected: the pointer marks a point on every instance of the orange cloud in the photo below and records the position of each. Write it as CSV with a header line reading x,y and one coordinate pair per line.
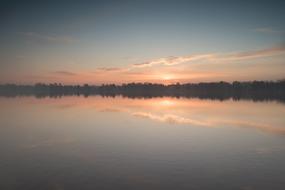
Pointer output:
x,y
279,49
172,60
256,53
110,69
65,73
190,68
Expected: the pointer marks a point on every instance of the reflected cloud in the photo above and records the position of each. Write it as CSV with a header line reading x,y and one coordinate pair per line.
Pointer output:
x,y
269,150
194,112
49,142
261,127
175,119
110,110
172,119
66,106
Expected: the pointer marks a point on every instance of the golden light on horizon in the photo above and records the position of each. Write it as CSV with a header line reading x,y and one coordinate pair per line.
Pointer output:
x,y
166,78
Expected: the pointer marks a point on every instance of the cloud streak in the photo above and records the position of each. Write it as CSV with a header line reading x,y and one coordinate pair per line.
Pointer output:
x,y
275,50
65,73
172,60
111,69
268,30
169,61
199,67
49,38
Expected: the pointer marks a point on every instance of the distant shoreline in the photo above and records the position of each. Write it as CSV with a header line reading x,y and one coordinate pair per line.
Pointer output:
x,y
253,90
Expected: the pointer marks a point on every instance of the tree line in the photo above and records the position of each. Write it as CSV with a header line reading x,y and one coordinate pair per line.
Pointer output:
x,y
255,90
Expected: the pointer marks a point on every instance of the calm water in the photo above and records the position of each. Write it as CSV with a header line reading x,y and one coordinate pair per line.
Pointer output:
x,y
159,143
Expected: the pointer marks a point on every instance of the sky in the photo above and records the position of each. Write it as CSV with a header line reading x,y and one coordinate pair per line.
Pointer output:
x,y
98,42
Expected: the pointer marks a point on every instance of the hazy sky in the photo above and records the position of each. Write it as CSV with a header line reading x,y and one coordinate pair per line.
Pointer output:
x,y
141,41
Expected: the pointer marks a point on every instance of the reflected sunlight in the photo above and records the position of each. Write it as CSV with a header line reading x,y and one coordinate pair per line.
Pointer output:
x,y
166,103
192,112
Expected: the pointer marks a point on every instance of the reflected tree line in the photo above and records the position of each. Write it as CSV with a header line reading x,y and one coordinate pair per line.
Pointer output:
x,y
254,90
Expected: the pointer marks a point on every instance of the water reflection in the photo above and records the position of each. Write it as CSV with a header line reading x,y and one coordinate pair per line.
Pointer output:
x,y
158,143
263,116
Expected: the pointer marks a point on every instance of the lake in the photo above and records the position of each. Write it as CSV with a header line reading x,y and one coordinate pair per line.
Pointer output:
x,y
156,143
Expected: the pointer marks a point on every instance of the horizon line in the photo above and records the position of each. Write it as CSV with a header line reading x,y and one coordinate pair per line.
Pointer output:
x,y
154,83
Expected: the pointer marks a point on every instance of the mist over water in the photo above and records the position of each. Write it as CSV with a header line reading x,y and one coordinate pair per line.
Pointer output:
x,y
158,143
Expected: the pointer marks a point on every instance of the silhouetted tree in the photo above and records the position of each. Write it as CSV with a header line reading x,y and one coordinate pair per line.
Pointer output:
x,y
255,90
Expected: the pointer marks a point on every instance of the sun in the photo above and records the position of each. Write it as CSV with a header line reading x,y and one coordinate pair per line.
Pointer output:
x,y
167,77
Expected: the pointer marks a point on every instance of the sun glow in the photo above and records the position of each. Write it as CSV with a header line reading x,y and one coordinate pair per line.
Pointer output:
x,y
167,77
